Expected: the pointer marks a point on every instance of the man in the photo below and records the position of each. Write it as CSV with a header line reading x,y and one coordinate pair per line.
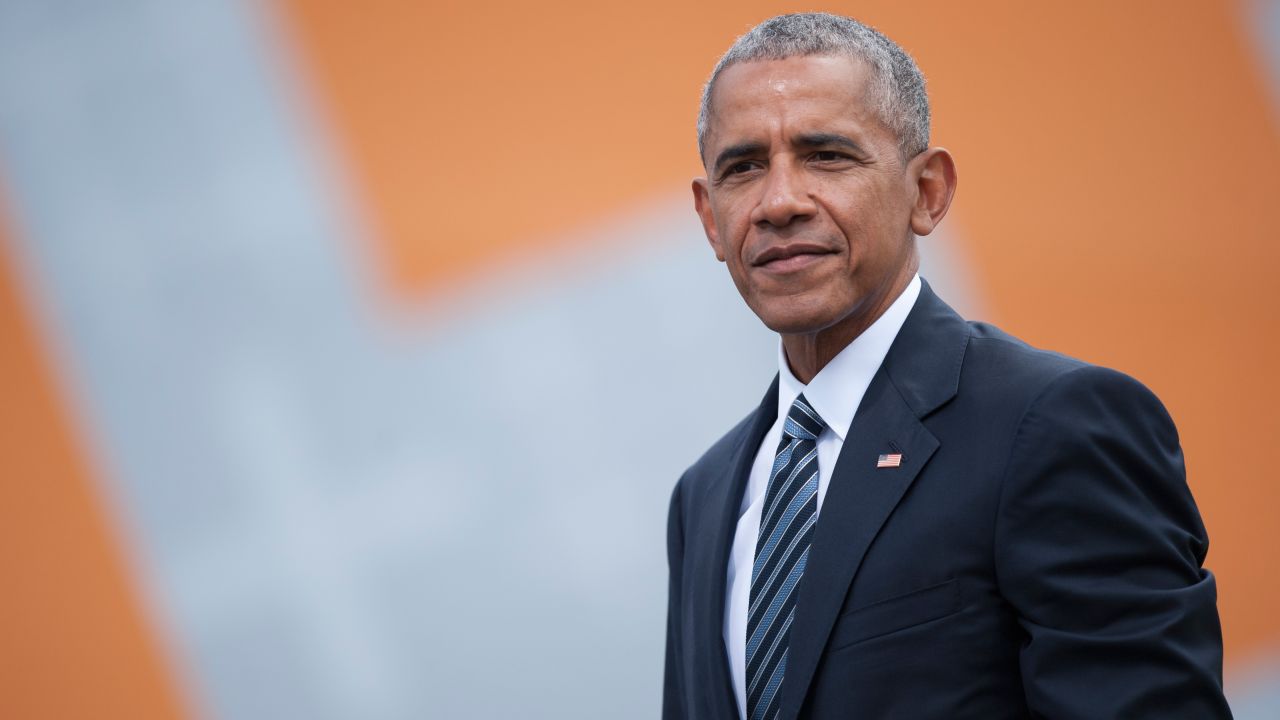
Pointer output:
x,y
924,518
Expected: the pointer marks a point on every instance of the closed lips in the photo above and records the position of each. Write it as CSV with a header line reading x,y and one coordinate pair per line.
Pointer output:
x,y
789,251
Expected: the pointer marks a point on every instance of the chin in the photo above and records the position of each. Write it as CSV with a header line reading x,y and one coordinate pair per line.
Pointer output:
x,y
794,320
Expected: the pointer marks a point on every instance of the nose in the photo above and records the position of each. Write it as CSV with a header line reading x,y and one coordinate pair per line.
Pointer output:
x,y
784,197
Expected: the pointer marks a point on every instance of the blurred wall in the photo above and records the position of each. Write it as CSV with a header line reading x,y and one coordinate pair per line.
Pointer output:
x,y
299,301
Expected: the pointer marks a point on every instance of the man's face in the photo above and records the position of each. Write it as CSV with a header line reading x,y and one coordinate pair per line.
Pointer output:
x,y
806,198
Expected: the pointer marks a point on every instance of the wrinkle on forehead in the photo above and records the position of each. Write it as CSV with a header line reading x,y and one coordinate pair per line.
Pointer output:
x,y
775,94
782,80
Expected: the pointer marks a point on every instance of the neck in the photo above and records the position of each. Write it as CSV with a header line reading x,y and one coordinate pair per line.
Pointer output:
x,y
808,353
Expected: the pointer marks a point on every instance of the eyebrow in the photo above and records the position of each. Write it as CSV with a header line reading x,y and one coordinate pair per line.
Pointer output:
x,y
808,140
813,140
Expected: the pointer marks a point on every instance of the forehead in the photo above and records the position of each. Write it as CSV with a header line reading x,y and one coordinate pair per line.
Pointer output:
x,y
791,94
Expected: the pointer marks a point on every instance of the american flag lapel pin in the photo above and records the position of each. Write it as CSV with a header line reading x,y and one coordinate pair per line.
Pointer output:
x,y
891,460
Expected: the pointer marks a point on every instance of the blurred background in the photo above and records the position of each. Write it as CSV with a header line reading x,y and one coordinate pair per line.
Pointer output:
x,y
299,301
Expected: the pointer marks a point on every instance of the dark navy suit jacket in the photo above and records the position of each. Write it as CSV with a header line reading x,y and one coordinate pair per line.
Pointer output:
x,y
1037,553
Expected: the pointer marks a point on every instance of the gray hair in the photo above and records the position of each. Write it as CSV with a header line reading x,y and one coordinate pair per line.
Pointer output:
x,y
897,87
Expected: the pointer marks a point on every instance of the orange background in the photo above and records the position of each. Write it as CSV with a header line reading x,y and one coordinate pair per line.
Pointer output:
x,y
1112,181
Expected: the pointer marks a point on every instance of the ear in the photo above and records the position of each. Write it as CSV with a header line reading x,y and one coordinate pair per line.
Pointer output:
x,y
702,203
934,173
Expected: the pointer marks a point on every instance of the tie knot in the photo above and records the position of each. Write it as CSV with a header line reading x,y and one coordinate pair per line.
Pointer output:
x,y
803,423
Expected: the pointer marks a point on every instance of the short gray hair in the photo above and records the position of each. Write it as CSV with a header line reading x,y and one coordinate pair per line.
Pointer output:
x,y
897,87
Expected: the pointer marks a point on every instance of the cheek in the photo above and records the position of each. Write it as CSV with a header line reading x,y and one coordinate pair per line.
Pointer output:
x,y
868,217
733,222
737,211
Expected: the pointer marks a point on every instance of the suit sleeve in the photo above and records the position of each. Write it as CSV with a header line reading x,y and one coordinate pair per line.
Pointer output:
x,y
673,697
1099,549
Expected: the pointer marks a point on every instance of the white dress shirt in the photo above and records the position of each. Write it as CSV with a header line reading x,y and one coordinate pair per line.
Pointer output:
x,y
834,393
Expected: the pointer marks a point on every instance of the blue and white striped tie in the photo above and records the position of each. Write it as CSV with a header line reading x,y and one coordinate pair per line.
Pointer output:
x,y
782,548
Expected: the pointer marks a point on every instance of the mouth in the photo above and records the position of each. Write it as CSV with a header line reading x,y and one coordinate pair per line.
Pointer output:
x,y
791,257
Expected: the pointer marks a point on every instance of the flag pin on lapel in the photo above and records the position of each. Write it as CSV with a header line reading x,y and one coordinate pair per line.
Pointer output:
x,y
892,460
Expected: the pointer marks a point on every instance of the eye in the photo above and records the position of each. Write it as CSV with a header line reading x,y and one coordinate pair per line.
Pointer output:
x,y
739,171
828,156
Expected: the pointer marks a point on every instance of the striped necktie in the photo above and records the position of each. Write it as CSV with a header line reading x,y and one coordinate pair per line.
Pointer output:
x,y
782,548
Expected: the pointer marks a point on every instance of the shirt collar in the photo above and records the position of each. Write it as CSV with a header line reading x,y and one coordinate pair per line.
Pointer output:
x,y
835,392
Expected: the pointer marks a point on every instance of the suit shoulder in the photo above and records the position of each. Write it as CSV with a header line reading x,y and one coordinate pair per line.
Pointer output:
x,y
1003,363
989,345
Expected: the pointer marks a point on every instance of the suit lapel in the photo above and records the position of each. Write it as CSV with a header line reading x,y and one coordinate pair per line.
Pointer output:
x,y
920,373
723,501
